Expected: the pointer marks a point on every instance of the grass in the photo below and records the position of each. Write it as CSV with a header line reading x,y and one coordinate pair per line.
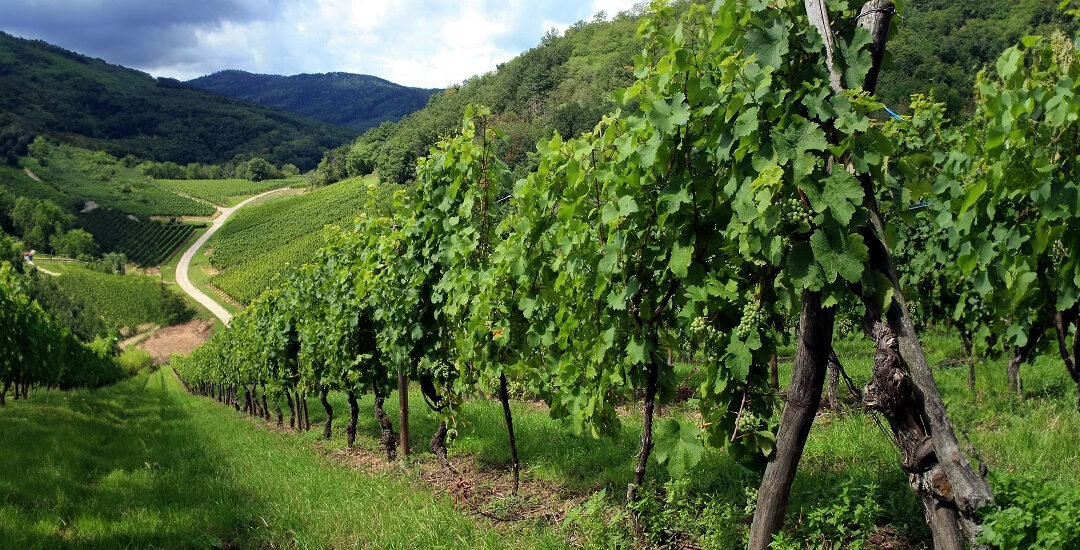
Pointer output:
x,y
1038,437
144,465
227,192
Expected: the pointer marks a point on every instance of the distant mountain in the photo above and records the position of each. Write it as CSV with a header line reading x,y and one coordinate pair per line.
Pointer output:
x,y
45,89
356,101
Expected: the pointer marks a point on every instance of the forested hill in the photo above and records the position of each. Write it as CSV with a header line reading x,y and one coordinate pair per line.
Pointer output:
x,y
356,101
940,45
45,89
564,83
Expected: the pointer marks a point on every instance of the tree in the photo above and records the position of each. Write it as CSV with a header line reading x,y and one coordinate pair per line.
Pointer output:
x,y
74,243
258,169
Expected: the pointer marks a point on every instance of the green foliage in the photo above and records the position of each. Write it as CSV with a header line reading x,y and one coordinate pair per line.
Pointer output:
x,y
1004,204
354,101
73,176
93,104
36,350
74,243
134,360
257,169
939,46
561,85
1029,514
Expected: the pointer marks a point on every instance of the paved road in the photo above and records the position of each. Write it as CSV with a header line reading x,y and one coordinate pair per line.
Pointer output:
x,y
185,261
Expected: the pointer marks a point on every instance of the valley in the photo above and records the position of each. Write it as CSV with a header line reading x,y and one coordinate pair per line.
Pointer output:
x,y
676,275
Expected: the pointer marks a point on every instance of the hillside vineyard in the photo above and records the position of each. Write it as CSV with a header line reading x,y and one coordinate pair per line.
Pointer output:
x,y
744,298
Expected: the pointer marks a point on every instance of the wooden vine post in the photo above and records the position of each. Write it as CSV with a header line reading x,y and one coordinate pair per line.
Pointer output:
x,y
403,414
903,388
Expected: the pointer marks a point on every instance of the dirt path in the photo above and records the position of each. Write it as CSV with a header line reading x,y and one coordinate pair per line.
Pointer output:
x,y
32,175
185,261
181,339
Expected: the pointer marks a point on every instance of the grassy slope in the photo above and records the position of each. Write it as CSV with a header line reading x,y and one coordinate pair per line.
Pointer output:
x,y
142,464
149,466
78,174
257,242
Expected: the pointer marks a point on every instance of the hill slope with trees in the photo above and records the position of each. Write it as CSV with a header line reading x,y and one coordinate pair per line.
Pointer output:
x,y
356,101
45,89
565,83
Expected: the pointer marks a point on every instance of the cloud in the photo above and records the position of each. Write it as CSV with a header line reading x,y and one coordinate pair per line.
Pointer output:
x,y
413,42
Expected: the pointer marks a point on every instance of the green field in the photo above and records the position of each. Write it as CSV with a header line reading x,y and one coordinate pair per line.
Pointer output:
x,y
77,175
227,192
144,465
260,239
102,302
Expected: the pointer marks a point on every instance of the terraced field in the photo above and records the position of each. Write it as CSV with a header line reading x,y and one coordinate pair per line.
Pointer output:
x,y
259,240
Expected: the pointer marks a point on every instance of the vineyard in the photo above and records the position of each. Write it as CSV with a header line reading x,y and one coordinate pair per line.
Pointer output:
x,y
259,240
226,192
103,303
145,242
79,175
748,201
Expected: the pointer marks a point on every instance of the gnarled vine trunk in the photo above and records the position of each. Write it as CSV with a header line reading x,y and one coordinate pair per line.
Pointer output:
x,y
403,413
1062,320
292,411
388,439
329,411
504,397
646,431
438,446
354,414
265,407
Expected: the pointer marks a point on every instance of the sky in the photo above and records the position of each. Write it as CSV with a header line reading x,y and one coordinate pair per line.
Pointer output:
x,y
432,43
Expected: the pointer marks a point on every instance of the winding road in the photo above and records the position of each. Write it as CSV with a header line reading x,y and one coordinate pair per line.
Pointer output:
x,y
185,261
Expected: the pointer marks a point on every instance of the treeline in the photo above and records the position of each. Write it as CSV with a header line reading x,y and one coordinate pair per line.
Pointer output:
x,y
46,90
940,45
254,169
745,188
355,101
36,351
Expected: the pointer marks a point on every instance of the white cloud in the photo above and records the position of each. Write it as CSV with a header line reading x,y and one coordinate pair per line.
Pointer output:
x,y
430,43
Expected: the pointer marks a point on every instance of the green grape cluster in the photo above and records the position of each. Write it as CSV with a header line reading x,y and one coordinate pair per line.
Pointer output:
x,y
795,213
844,325
752,319
1059,249
748,423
